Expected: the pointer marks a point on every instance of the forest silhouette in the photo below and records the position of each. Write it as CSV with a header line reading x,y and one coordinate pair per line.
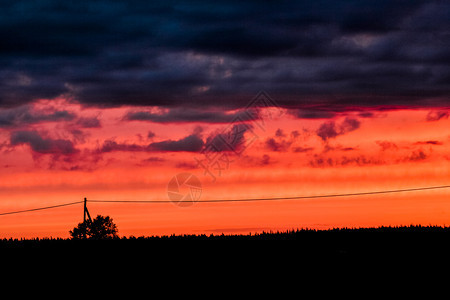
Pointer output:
x,y
343,249
338,241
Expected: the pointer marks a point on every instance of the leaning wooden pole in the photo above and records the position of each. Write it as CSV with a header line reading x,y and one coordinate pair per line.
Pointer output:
x,y
86,213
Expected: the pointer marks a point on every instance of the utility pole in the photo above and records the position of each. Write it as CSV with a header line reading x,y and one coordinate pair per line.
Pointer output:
x,y
86,213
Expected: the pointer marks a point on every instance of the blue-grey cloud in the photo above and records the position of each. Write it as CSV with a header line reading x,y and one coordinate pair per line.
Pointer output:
x,y
331,129
179,115
89,122
232,139
42,145
26,114
185,53
190,143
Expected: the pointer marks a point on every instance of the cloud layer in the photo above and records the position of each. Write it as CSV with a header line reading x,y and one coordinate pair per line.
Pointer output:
x,y
181,115
43,145
185,53
330,129
191,143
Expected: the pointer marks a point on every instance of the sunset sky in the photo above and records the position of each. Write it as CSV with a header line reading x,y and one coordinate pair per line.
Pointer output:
x,y
111,100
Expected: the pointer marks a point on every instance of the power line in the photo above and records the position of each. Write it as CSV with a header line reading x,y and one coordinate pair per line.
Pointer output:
x,y
40,208
235,200
282,198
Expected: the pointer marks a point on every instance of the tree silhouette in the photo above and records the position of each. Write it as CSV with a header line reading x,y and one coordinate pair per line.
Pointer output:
x,y
99,228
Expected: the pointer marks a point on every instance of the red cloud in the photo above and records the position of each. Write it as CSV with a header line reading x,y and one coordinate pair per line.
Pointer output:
x,y
437,115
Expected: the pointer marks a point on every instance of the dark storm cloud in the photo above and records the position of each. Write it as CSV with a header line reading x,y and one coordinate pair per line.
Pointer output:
x,y
42,145
178,115
111,146
281,142
191,143
188,53
24,115
327,130
437,115
89,122
312,113
331,129
433,143
230,140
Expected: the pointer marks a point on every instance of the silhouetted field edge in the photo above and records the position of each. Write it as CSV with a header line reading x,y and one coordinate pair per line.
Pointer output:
x,y
361,247
288,235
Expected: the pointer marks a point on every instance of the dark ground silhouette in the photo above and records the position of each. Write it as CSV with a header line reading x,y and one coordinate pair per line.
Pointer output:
x,y
315,252
341,242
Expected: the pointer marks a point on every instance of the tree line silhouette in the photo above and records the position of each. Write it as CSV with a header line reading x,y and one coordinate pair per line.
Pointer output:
x,y
103,228
102,239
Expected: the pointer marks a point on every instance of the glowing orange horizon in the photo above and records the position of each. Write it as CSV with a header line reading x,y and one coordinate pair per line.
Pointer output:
x,y
393,149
